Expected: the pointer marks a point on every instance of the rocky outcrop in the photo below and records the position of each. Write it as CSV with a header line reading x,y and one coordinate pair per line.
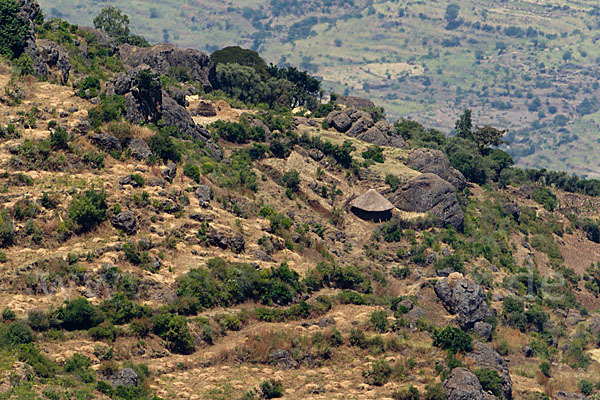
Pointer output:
x,y
361,122
282,359
49,59
125,377
174,114
204,195
436,162
124,221
106,142
383,134
56,59
139,149
163,58
169,171
428,193
486,357
483,330
339,120
568,396
98,37
143,94
463,297
464,385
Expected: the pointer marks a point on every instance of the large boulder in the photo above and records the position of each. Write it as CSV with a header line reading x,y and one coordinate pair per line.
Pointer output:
x,y
163,58
383,134
462,384
143,94
125,221
139,149
174,114
485,357
428,193
46,56
204,195
106,142
463,297
100,38
340,121
436,162
362,123
56,59
125,377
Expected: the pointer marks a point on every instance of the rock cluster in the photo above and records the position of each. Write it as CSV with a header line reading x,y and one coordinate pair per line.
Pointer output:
x,y
464,385
463,297
485,357
436,162
359,124
428,193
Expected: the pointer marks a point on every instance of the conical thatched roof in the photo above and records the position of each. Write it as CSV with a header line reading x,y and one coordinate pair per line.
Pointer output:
x,y
372,201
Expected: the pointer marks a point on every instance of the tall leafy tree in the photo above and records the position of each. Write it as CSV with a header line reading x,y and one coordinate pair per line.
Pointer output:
x,y
112,21
464,125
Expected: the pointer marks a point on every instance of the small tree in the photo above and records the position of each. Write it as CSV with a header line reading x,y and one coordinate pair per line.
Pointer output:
x,y
291,179
112,21
487,136
463,125
88,209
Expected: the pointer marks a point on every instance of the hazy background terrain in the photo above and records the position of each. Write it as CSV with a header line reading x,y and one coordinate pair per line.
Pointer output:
x,y
529,66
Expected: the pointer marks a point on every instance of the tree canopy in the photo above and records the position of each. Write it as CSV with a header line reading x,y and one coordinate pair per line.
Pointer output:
x,y
13,30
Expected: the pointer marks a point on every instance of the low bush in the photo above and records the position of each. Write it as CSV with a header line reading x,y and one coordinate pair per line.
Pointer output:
x,y
88,209
79,314
271,389
378,373
453,339
173,329
490,381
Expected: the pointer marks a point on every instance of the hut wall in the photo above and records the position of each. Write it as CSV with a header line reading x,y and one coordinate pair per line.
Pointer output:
x,y
372,216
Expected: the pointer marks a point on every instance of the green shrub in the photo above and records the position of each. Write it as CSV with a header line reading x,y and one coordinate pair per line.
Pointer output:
x,y
586,387
490,380
291,180
163,145
378,373
271,389
42,366
120,310
111,108
23,65
104,331
379,321
454,262
192,171
545,197
410,393
8,314
174,331
88,209
80,365
238,133
90,83
374,153
434,392
7,229
59,139
357,338
453,339
16,333
79,314
393,182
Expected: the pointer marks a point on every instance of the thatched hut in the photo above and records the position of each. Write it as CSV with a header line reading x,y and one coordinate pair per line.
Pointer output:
x,y
372,206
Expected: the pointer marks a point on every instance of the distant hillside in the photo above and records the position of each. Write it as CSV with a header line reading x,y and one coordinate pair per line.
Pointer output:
x,y
527,66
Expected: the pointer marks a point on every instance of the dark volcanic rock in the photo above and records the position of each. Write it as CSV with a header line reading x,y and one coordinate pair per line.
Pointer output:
x,y
163,57
204,195
169,171
175,115
139,148
463,297
486,357
436,162
282,359
125,221
483,330
106,142
143,97
568,396
340,121
101,38
512,209
464,385
428,193
56,59
126,377
362,125
383,134
237,244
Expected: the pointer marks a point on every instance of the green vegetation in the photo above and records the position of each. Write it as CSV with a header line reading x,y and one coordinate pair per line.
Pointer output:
x,y
88,209
13,31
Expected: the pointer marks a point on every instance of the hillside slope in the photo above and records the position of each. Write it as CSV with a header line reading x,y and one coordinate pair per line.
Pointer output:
x,y
530,66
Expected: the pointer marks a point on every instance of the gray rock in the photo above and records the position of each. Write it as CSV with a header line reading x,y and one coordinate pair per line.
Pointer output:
x,y
125,377
561,395
57,60
483,330
574,317
362,125
139,149
204,195
436,162
325,322
486,357
464,385
512,209
175,115
428,193
162,57
106,142
463,297
595,326
527,351
355,102
282,359
237,244
169,172
340,121
415,314
126,221
383,134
